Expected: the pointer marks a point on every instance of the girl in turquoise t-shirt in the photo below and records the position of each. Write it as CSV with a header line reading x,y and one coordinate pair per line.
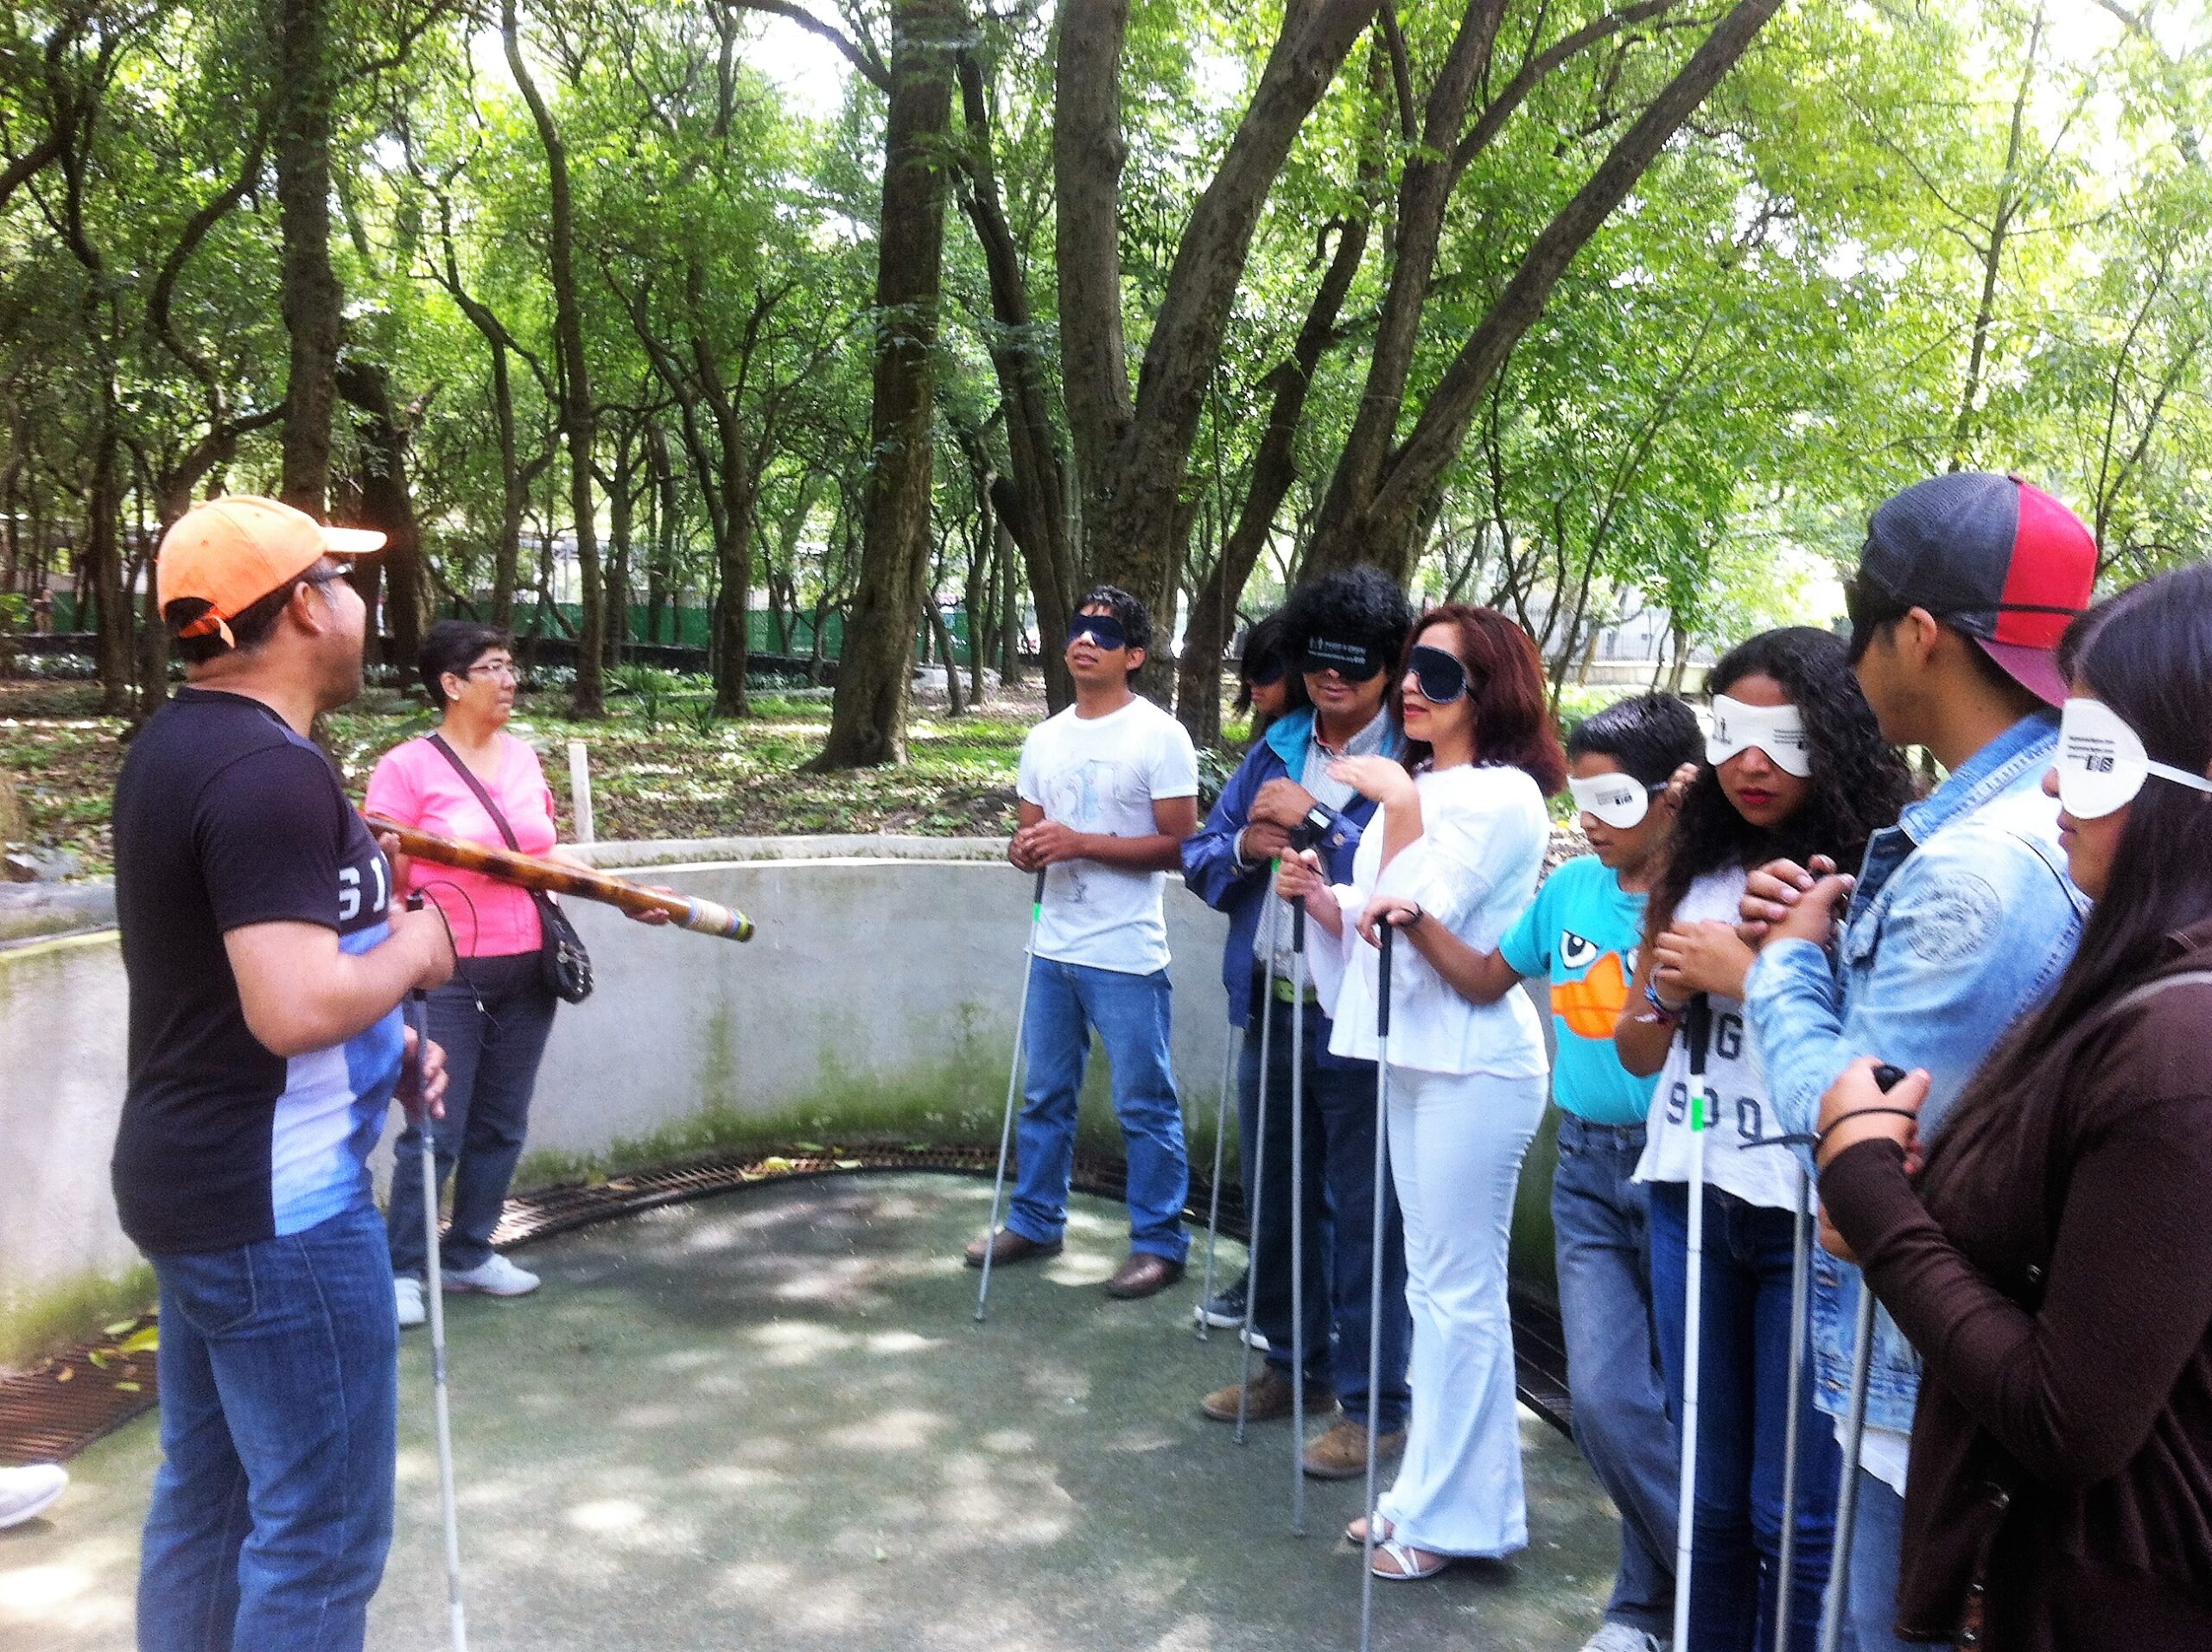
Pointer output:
x,y
1580,935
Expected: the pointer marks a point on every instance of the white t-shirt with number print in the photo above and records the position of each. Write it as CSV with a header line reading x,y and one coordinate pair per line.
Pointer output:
x,y
1735,1081
1103,774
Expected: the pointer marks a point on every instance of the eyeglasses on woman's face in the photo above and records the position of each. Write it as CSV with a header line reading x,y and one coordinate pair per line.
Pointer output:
x,y
494,670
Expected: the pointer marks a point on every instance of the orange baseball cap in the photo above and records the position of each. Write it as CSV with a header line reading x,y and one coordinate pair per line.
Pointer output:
x,y
231,552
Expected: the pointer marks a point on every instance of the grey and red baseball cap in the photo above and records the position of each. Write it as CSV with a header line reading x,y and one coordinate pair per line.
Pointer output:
x,y
1995,558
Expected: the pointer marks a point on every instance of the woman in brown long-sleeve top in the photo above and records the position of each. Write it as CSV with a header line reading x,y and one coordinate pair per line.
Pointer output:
x,y
2052,1262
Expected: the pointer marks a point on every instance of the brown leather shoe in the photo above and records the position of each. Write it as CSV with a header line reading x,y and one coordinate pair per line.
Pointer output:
x,y
1143,1274
1269,1399
1341,1453
1008,1248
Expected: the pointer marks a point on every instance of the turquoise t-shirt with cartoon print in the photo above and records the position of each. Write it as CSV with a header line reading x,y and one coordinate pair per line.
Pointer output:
x,y
1581,933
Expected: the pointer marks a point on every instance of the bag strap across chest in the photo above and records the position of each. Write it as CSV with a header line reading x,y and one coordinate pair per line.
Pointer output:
x,y
483,796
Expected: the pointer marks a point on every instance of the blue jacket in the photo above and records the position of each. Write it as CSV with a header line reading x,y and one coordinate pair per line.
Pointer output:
x,y
1963,918
1209,865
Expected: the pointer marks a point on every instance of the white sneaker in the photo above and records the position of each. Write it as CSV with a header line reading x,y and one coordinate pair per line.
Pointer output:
x,y
497,1277
407,1294
28,1492
1623,1637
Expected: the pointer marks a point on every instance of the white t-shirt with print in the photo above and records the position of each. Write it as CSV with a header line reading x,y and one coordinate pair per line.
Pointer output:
x,y
1102,775
1734,1079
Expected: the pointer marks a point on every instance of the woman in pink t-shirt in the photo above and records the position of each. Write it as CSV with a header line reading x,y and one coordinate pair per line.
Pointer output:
x,y
493,1018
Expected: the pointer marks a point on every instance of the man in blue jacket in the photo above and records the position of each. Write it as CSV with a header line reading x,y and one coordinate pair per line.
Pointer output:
x,y
1962,917
1347,631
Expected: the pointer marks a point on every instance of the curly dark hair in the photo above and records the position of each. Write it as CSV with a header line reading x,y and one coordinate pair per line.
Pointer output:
x,y
1858,784
1359,605
1506,680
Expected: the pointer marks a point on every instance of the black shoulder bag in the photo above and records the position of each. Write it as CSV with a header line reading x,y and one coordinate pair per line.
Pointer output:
x,y
566,965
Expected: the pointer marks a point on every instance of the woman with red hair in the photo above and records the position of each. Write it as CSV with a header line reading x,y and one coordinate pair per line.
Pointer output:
x,y
1461,838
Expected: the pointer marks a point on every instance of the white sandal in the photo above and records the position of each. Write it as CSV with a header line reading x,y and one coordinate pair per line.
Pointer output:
x,y
1401,1556
1357,1538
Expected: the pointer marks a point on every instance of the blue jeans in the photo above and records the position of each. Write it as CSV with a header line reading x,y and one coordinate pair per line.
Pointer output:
x,y
492,1057
1340,1217
1602,1239
1870,1624
1130,1013
1744,1384
280,1398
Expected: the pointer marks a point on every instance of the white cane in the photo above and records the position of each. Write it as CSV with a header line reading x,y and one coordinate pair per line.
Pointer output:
x,y
1697,1028
1013,1089
418,1014
1855,1437
1386,932
1298,1217
1254,1197
1801,1298
1232,1045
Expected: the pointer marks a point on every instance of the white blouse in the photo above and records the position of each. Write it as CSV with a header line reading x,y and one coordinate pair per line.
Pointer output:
x,y
1473,869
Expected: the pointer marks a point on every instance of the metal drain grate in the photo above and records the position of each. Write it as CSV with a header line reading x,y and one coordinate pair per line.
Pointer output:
x,y
64,1403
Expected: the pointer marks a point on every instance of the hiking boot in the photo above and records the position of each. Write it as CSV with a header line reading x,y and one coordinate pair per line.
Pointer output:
x,y
1341,1453
1270,1397
1008,1248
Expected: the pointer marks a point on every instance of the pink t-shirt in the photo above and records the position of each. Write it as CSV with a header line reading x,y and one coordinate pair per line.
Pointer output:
x,y
414,785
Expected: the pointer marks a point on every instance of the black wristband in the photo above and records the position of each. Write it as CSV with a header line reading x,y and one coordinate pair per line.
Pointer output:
x,y
1821,1140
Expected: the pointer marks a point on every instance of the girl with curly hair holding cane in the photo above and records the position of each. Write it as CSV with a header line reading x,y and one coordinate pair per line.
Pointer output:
x,y
1796,765
1461,836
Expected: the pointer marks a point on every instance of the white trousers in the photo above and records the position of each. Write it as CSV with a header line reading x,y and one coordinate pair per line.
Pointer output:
x,y
1456,1146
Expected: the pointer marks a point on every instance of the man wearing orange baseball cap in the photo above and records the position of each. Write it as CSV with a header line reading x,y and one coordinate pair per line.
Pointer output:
x,y
266,963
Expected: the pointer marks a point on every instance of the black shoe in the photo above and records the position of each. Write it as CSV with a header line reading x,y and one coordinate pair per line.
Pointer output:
x,y
1224,1309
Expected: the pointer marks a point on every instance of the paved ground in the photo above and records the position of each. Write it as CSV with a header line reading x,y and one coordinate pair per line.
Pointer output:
x,y
769,1419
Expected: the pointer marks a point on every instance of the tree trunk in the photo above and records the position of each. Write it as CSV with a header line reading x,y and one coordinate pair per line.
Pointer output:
x,y
935,615
386,505
1381,527
101,567
312,300
1032,501
868,718
578,415
1274,469
1132,453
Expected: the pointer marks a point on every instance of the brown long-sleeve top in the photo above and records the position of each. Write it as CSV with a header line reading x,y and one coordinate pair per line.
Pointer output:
x,y
2054,1268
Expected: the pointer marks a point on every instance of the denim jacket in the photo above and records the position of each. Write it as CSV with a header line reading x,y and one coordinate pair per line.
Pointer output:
x,y
1962,919
1216,876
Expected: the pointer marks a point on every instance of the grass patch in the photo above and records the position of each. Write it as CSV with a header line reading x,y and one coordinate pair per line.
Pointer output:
x,y
677,777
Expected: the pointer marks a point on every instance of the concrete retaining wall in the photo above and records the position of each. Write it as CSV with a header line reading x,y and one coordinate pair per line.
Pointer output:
x,y
878,1000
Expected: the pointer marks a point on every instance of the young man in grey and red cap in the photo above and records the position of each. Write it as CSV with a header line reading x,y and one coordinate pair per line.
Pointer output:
x,y
266,964
1962,915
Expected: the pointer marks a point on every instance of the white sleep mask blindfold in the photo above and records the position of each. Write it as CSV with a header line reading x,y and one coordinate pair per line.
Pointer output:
x,y
2102,762
1619,800
1779,731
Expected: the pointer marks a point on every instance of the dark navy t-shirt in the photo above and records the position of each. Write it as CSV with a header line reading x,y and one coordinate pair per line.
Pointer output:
x,y
225,817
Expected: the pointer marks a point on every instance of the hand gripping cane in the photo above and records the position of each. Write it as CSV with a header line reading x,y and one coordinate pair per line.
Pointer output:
x,y
1254,1200
1298,1217
1854,1436
1697,1030
1013,1089
418,1017
1375,1282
